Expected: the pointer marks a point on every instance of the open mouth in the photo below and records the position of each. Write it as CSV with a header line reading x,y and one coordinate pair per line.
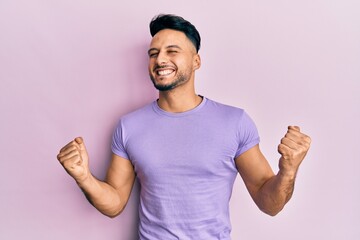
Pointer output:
x,y
164,72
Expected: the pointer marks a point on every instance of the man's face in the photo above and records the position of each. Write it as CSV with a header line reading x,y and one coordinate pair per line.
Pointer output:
x,y
172,59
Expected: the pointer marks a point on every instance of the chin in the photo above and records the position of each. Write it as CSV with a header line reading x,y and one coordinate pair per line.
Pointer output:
x,y
164,88
161,85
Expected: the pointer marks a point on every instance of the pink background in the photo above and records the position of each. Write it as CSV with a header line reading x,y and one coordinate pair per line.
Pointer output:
x,y
70,68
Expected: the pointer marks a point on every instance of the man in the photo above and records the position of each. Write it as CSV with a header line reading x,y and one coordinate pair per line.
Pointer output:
x,y
185,150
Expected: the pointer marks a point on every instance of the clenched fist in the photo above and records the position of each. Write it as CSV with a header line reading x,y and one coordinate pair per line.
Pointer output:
x,y
74,158
293,148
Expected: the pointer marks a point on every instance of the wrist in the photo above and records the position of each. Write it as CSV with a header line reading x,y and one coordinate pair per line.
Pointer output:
x,y
84,181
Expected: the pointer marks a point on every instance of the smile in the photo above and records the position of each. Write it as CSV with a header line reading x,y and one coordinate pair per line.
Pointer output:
x,y
164,72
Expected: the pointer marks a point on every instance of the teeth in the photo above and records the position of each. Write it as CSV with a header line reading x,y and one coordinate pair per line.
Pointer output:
x,y
165,72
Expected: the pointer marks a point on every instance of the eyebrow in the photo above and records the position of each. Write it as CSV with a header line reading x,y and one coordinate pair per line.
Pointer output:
x,y
170,46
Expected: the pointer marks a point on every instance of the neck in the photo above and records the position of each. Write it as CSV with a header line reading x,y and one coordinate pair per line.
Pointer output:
x,y
178,101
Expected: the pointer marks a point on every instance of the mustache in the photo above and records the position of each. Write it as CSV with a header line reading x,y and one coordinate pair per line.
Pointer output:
x,y
159,67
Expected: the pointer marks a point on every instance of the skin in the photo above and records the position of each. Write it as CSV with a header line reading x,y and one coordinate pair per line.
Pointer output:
x,y
173,61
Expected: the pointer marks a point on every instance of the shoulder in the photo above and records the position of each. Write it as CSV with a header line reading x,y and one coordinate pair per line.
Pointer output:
x,y
138,113
224,109
229,114
136,117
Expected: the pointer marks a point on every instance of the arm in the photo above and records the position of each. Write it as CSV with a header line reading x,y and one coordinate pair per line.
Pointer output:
x,y
109,196
271,192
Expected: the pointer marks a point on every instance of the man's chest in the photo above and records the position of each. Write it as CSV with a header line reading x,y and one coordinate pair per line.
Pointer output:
x,y
182,148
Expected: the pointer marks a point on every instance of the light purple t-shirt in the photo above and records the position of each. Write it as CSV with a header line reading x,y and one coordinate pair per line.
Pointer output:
x,y
185,165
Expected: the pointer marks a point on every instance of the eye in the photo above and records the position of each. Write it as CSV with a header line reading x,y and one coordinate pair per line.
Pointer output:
x,y
152,55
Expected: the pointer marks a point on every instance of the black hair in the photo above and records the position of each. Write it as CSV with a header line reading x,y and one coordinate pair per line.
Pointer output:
x,y
169,21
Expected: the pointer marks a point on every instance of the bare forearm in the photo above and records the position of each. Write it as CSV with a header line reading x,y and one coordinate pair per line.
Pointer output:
x,y
275,193
102,196
110,196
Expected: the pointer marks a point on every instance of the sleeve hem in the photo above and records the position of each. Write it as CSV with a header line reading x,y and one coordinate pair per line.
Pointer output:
x,y
120,154
247,147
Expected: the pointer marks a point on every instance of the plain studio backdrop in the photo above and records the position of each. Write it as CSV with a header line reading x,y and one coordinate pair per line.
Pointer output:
x,y
73,68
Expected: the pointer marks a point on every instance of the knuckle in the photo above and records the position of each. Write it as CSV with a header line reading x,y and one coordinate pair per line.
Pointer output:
x,y
306,141
292,154
280,146
73,147
69,164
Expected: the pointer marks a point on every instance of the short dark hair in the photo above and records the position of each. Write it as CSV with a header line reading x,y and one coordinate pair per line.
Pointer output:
x,y
170,21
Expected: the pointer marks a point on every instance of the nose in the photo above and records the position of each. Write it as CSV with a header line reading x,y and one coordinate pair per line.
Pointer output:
x,y
161,59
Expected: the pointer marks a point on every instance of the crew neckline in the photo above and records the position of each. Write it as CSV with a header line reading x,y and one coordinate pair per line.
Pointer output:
x,y
160,111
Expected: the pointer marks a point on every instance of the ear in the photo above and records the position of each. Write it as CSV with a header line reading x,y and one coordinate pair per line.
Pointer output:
x,y
197,62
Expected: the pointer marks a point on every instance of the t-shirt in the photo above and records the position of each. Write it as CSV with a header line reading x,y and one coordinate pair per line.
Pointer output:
x,y
185,165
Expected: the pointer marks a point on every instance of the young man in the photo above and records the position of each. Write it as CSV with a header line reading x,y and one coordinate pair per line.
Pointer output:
x,y
185,150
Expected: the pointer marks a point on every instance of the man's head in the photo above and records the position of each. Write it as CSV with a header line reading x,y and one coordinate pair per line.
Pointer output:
x,y
169,21
173,52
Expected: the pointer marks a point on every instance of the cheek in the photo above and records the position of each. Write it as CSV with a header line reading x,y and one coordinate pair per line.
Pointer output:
x,y
187,65
188,61
150,65
182,63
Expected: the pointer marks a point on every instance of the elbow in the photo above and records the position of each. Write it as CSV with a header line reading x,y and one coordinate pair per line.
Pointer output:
x,y
270,206
273,211
114,211
113,214
116,208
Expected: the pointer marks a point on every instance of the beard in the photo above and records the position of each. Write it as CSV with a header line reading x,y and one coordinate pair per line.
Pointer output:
x,y
180,79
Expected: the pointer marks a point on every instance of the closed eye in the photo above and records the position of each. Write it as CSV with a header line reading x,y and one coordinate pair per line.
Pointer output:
x,y
152,55
153,52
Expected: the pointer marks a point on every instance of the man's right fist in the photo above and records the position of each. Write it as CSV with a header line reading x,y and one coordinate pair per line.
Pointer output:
x,y
74,158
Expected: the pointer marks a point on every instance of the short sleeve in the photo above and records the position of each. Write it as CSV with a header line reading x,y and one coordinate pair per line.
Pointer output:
x,y
117,145
248,135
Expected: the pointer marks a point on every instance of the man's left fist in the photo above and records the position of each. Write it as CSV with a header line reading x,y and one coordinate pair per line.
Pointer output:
x,y
293,148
